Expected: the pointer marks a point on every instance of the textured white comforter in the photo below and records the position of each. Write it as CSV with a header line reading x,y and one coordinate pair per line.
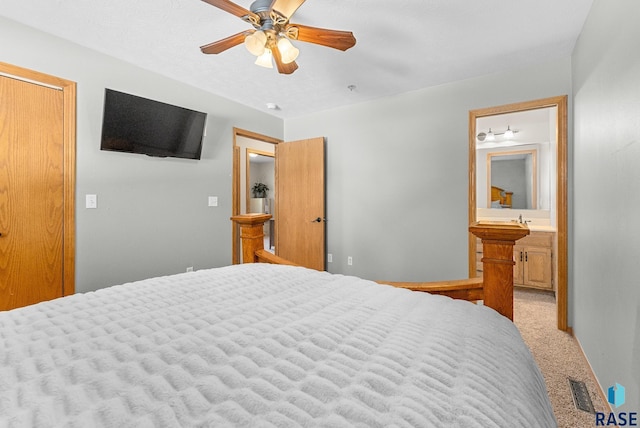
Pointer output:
x,y
265,346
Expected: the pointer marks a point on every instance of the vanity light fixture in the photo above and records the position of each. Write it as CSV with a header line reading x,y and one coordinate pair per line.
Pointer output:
x,y
491,136
508,133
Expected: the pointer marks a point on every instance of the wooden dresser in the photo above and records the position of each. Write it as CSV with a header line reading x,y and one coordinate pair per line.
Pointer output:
x,y
534,259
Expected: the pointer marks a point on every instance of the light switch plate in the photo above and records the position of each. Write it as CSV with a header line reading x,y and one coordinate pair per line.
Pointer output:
x,y
213,201
91,201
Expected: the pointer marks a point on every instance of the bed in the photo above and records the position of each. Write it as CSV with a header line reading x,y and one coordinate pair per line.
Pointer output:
x,y
265,345
500,198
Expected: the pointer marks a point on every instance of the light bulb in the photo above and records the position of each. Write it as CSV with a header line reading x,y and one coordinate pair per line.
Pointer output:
x,y
288,52
255,43
264,60
508,133
490,136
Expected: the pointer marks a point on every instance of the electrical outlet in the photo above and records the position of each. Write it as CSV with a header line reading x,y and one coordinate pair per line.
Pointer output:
x,y
190,269
350,260
329,258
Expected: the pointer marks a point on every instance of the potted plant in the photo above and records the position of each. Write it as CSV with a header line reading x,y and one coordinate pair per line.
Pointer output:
x,y
260,190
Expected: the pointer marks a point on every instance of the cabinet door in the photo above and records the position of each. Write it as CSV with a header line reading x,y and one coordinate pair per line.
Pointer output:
x,y
518,268
537,267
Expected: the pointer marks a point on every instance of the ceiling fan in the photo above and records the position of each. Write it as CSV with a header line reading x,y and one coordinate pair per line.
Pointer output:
x,y
271,38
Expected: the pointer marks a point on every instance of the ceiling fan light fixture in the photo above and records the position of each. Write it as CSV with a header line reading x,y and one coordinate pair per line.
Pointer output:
x,y
271,22
288,52
264,60
255,43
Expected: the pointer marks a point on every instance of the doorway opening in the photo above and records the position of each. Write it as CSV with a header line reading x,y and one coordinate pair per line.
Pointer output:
x,y
261,191
492,200
244,144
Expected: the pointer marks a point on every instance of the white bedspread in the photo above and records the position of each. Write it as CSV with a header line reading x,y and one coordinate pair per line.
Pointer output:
x,y
265,346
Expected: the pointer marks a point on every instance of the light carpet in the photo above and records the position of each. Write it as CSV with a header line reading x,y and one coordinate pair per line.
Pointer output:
x,y
558,355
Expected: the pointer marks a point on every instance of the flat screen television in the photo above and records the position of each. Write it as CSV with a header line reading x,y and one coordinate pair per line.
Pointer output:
x,y
139,125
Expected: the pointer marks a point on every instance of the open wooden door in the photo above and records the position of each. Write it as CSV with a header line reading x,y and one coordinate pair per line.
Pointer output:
x,y
300,202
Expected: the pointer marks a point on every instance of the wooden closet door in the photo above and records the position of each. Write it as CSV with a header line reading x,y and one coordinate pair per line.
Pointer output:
x,y
31,193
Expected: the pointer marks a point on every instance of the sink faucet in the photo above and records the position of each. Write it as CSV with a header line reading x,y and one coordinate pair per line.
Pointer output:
x,y
520,218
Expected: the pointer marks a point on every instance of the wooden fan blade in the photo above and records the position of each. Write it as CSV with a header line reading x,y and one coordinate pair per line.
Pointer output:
x,y
224,44
341,40
282,67
231,7
287,7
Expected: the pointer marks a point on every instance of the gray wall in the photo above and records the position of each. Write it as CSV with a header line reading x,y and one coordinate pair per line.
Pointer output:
x,y
152,217
606,86
397,183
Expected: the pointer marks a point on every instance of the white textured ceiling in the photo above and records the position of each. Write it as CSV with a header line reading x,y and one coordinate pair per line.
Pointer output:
x,y
402,45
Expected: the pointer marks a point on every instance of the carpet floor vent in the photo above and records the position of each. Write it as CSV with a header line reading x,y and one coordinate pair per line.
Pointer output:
x,y
580,394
